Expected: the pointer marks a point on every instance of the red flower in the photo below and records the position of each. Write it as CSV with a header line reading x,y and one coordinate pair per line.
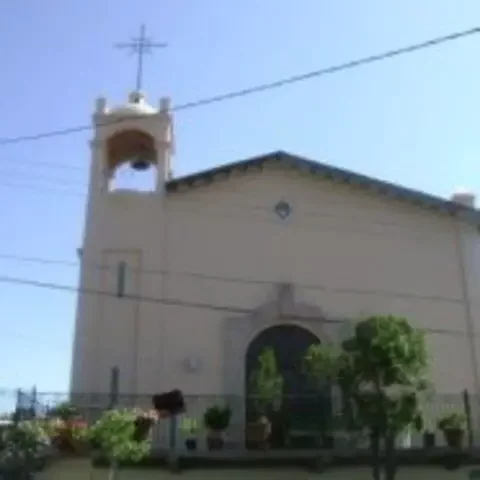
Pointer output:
x,y
79,424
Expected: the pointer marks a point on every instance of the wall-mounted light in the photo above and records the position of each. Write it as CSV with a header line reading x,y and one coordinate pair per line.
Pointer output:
x,y
192,364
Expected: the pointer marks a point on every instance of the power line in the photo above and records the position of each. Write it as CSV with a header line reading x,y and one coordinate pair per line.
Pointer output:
x,y
91,291
266,86
159,272
428,234
334,69
146,271
181,303
63,180
234,208
61,166
177,302
44,178
34,339
39,260
41,182
42,189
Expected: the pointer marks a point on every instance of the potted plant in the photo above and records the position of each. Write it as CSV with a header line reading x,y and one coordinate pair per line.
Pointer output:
x,y
190,427
66,433
216,420
60,426
328,440
143,424
266,385
428,439
429,427
429,433
23,449
119,436
453,427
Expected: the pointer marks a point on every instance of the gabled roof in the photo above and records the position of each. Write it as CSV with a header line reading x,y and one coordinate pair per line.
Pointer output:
x,y
334,174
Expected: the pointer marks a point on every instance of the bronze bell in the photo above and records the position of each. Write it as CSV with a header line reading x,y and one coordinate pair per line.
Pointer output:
x,y
140,164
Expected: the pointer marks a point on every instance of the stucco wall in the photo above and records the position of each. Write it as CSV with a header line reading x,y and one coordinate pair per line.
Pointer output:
x,y
222,255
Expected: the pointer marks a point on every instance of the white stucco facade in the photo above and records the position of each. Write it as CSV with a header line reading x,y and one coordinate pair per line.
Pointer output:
x,y
209,264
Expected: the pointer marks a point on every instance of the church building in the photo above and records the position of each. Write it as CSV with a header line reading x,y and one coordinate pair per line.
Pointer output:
x,y
183,284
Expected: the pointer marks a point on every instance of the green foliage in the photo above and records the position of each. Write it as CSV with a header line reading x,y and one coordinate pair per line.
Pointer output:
x,y
22,444
113,434
217,418
382,372
266,382
452,421
190,425
323,363
65,411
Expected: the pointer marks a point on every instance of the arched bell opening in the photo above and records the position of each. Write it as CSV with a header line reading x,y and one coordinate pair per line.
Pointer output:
x,y
306,410
131,161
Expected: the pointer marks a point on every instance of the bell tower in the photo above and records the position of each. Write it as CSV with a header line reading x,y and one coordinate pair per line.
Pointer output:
x,y
135,134
123,232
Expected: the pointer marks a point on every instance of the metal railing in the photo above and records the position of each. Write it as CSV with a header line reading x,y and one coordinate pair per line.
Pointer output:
x,y
302,422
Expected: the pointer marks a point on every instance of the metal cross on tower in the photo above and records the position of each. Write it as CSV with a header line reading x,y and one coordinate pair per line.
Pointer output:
x,y
141,46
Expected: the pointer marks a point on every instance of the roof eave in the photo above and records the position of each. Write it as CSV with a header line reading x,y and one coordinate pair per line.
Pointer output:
x,y
335,174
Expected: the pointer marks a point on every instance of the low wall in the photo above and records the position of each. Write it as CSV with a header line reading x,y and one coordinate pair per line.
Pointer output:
x,y
82,470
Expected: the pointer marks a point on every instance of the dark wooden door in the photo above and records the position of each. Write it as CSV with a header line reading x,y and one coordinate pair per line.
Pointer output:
x,y
303,405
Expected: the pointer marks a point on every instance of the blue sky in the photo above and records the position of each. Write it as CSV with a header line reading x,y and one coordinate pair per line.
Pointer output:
x,y
412,120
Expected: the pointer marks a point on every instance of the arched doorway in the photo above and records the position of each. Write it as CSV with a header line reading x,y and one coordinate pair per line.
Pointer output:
x,y
303,405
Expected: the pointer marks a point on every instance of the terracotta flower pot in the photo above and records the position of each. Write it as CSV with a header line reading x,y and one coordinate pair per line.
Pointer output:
x,y
143,426
454,437
328,441
191,444
63,441
258,433
215,440
428,440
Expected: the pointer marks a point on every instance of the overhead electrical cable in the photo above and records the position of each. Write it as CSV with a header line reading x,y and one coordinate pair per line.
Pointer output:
x,y
266,86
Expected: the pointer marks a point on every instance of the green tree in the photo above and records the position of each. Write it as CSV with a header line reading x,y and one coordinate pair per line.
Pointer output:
x,y
382,373
266,383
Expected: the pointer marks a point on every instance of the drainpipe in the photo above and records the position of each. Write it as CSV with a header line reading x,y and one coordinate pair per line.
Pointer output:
x,y
469,320
466,199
